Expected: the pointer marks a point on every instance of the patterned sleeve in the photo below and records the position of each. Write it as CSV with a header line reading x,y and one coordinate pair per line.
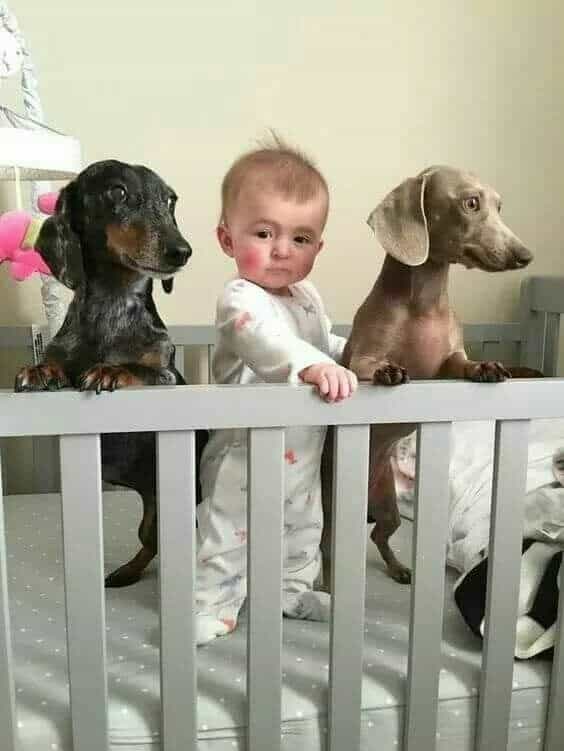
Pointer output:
x,y
248,325
336,343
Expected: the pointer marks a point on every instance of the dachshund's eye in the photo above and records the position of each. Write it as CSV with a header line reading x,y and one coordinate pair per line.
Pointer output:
x,y
171,203
471,204
117,194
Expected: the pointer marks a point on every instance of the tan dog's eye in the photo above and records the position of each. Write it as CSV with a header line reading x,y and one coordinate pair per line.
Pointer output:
x,y
471,204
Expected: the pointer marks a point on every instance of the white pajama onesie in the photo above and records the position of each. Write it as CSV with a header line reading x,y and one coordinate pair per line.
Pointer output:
x,y
262,338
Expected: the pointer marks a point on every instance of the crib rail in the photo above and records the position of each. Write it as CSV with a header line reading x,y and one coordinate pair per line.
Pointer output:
x,y
169,408
265,410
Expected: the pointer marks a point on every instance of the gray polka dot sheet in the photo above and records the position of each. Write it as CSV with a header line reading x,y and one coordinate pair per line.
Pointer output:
x,y
38,625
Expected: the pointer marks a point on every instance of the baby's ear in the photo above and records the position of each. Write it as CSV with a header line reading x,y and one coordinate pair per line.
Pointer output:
x,y
225,240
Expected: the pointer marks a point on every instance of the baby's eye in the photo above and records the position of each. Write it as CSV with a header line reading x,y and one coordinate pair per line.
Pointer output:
x,y
302,239
264,234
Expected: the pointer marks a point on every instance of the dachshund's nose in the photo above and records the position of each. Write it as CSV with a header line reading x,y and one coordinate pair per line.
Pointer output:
x,y
178,253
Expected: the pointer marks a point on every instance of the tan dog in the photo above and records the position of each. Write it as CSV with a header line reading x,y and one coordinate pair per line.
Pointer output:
x,y
406,328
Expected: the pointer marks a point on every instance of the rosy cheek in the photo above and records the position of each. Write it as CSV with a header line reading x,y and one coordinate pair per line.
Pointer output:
x,y
250,259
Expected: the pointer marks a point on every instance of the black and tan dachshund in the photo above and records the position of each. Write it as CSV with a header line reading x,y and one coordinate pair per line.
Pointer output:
x,y
112,233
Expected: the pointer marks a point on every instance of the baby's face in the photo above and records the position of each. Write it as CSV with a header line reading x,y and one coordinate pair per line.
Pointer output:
x,y
273,240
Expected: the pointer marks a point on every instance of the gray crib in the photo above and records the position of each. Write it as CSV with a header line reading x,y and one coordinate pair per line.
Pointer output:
x,y
175,413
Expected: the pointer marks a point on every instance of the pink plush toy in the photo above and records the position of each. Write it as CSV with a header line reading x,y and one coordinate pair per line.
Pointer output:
x,y
18,234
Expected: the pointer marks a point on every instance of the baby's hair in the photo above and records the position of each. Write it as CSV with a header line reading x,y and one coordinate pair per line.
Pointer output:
x,y
274,166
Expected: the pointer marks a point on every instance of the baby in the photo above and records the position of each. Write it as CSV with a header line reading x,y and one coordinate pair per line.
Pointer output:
x,y
272,328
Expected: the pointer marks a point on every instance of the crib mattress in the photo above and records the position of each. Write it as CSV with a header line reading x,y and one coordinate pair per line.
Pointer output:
x,y
38,626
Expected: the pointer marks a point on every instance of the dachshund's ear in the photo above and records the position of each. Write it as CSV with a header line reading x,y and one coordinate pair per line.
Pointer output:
x,y
400,224
59,244
167,284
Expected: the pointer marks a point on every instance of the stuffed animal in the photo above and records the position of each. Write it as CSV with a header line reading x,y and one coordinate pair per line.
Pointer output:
x,y
18,233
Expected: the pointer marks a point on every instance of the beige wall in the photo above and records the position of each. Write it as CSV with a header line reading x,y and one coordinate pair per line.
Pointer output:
x,y
374,90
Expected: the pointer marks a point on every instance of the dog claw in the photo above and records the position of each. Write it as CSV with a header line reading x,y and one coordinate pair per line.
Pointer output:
x,y
43,377
390,374
488,372
105,378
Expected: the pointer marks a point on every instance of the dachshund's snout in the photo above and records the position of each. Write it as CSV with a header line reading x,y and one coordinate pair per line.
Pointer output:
x,y
178,253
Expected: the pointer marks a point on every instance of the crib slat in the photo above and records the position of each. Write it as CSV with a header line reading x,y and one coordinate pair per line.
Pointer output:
x,y
264,640
348,571
177,567
210,363
504,567
46,465
427,596
551,344
81,489
179,359
534,327
555,717
478,350
4,464
7,695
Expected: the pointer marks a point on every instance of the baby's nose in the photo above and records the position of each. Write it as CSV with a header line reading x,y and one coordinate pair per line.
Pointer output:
x,y
281,248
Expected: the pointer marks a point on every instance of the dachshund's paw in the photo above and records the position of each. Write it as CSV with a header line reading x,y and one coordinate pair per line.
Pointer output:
x,y
487,372
44,377
389,374
107,378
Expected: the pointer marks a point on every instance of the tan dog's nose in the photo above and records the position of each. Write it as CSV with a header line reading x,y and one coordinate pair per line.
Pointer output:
x,y
523,256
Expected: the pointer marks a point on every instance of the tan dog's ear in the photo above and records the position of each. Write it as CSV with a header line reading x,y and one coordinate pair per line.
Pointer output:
x,y
400,224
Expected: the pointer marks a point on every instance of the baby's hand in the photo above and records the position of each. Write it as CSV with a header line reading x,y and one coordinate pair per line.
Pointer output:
x,y
333,382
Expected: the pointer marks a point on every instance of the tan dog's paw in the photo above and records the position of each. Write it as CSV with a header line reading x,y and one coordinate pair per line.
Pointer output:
x,y
44,377
122,577
487,372
399,572
518,371
389,374
107,378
